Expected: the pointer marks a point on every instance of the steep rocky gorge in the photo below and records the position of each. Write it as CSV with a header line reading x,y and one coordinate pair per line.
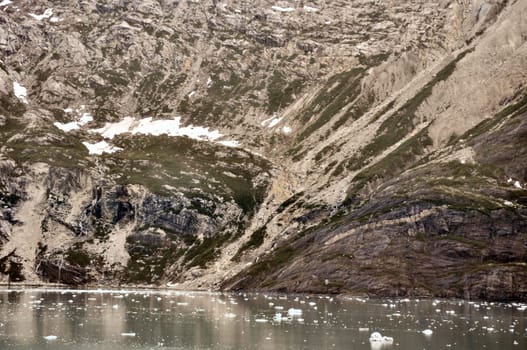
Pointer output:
x,y
359,147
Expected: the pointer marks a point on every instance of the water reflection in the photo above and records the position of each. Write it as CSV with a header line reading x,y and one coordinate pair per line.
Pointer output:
x,y
176,320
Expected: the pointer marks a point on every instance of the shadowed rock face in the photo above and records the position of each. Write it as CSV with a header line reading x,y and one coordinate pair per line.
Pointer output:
x,y
336,147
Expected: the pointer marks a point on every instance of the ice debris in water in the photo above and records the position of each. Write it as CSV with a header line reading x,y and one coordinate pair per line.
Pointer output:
x,y
128,334
294,312
50,337
377,337
427,332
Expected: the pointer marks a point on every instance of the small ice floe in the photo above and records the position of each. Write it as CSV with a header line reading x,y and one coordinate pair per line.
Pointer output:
x,y
517,184
261,320
378,338
428,332
47,14
364,329
128,334
230,315
20,92
277,317
294,312
50,337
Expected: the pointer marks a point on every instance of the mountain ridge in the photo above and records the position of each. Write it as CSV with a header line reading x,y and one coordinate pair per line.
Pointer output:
x,y
379,147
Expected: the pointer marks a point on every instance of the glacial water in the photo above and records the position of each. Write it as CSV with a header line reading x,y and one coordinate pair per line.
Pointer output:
x,y
75,319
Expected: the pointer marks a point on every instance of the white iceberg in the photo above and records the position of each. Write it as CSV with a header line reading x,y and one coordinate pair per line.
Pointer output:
x,y
377,337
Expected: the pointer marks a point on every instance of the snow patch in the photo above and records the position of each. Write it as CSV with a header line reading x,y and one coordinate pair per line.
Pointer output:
x,y
100,147
67,127
270,122
20,91
47,14
310,9
282,9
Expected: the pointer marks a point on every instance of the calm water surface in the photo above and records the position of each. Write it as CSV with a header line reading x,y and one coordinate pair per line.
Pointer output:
x,y
74,319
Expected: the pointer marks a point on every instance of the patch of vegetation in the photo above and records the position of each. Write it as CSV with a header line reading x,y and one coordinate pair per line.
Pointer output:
x,y
273,261
149,264
78,257
48,145
205,251
288,202
198,169
256,240
280,92
395,128
395,162
336,94
512,110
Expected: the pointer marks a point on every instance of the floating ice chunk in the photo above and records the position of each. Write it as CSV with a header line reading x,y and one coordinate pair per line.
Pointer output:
x,y
427,332
50,337
509,180
47,14
277,317
517,184
282,9
20,91
294,312
130,334
68,110
364,329
515,342
261,320
377,337
230,315
311,303
100,148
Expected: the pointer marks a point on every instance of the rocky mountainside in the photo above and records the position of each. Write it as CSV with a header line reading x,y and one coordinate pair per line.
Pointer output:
x,y
363,147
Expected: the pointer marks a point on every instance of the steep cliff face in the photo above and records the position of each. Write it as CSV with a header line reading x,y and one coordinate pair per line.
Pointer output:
x,y
308,146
